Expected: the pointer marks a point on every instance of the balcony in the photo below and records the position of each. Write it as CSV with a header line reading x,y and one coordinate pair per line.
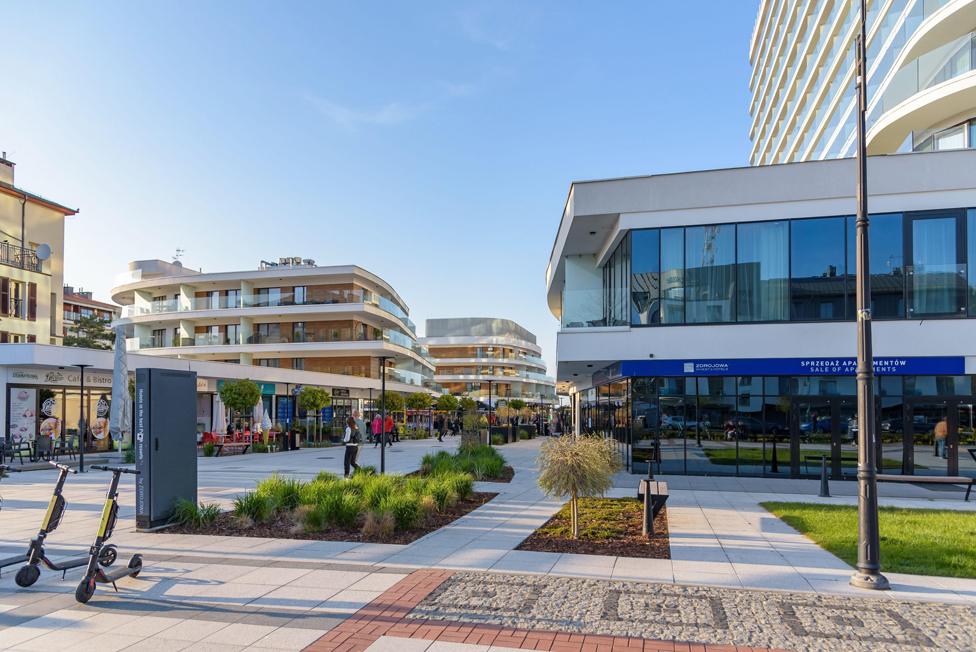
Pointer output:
x,y
299,337
20,257
589,309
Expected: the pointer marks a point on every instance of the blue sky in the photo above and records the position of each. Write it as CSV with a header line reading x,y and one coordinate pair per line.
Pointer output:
x,y
432,143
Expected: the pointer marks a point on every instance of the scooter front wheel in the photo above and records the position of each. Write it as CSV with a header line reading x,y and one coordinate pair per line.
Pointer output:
x,y
27,575
136,563
108,555
85,590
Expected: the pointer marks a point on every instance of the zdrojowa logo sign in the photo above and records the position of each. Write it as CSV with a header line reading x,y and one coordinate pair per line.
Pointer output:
x,y
899,366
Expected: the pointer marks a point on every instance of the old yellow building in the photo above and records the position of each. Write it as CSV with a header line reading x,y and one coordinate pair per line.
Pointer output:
x,y
31,263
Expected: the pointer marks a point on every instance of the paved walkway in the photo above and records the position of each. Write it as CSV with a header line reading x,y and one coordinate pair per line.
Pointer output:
x,y
231,593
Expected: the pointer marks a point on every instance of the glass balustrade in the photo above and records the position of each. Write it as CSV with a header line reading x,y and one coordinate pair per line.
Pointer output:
x,y
589,309
942,64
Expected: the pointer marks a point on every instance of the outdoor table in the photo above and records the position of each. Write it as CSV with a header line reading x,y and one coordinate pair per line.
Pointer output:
x,y
972,452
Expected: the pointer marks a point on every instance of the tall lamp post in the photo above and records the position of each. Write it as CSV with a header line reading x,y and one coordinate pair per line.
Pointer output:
x,y
490,411
383,360
868,574
82,421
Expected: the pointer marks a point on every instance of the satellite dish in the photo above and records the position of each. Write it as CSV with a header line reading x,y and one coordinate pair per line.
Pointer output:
x,y
43,252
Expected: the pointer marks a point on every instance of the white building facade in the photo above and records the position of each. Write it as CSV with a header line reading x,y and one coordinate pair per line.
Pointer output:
x,y
706,318
471,352
921,78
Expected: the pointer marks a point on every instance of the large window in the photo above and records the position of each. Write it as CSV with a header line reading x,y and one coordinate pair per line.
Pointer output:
x,y
672,276
764,271
645,277
710,273
616,281
936,274
817,269
886,257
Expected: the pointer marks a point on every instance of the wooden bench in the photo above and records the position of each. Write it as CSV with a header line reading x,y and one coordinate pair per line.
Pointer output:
x,y
819,460
659,496
930,479
239,447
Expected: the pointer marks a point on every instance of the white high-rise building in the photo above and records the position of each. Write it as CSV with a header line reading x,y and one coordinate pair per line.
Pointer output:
x,y
921,78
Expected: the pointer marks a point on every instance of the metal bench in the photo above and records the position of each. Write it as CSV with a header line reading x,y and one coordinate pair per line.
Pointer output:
x,y
235,447
930,479
657,492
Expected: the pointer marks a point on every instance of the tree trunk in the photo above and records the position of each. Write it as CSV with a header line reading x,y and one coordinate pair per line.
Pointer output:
x,y
574,512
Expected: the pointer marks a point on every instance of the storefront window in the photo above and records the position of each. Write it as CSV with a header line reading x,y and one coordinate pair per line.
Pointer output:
x,y
763,271
817,269
645,277
709,273
971,251
886,255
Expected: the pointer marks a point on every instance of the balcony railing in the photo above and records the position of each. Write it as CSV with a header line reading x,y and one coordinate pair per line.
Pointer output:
x,y
327,335
17,256
261,300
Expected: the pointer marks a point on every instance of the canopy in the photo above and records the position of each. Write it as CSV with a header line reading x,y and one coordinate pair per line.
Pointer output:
x,y
220,416
120,418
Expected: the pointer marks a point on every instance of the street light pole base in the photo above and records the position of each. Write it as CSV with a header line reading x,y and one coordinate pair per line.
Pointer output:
x,y
873,581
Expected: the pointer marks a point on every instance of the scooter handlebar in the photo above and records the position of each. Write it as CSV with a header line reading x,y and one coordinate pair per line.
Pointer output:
x,y
63,467
119,469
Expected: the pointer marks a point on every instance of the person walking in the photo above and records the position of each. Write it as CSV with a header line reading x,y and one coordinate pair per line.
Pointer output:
x,y
388,429
439,427
377,428
351,439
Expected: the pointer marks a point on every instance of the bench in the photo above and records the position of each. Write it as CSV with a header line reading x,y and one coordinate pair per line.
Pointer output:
x,y
233,447
658,497
930,479
819,460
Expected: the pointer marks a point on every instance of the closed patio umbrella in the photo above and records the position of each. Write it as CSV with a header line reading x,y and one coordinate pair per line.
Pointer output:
x,y
258,414
120,417
220,416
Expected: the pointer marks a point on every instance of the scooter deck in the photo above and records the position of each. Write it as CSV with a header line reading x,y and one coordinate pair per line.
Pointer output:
x,y
115,574
68,564
13,561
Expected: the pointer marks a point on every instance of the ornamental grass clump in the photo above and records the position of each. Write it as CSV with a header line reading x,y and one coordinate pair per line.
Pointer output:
x,y
578,467
187,512
284,493
254,506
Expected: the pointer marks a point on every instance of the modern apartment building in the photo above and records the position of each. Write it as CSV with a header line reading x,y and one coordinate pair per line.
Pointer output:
x,y
79,303
921,78
31,263
471,352
707,318
292,314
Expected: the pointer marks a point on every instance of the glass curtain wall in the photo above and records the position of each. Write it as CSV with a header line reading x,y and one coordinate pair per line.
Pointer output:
x,y
763,271
710,274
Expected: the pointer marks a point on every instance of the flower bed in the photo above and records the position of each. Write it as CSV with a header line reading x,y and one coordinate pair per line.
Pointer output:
x,y
366,507
481,462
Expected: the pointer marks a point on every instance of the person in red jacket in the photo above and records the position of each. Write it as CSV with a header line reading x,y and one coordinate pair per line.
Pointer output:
x,y
388,427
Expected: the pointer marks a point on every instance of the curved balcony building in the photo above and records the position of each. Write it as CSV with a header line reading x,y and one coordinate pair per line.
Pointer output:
x,y
921,59
293,315
471,351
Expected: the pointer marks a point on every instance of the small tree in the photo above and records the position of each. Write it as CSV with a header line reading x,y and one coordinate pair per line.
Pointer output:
x,y
239,395
517,405
312,400
90,333
577,467
418,401
467,404
446,403
392,401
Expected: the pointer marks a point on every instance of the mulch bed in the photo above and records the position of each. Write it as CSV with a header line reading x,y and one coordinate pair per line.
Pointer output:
x,y
284,526
615,532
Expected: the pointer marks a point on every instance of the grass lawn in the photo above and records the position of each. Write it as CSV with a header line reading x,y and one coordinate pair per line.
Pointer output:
x,y
750,455
916,541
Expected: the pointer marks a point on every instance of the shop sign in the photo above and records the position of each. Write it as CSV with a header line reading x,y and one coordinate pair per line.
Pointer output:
x,y
66,377
883,366
340,393
204,384
23,417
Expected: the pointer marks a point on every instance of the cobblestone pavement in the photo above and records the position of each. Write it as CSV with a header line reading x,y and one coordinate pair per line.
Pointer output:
x,y
795,621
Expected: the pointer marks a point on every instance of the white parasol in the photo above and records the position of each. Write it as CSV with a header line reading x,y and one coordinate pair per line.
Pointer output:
x,y
120,418
220,416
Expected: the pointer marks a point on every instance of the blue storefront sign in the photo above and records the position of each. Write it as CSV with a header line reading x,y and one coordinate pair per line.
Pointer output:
x,y
896,366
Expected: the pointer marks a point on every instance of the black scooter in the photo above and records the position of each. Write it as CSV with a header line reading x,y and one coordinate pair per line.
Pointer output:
x,y
86,588
35,555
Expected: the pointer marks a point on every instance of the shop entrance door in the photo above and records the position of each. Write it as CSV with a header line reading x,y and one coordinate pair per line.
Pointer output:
x,y
824,426
933,428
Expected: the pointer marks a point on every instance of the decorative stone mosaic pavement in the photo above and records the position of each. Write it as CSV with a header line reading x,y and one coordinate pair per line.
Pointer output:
x,y
794,621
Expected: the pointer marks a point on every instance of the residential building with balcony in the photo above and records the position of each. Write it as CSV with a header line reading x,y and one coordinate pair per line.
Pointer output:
x,y
340,320
921,78
707,319
79,303
31,263
470,352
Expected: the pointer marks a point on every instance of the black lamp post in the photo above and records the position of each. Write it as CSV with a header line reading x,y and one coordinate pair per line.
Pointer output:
x,y
490,411
82,421
868,574
383,413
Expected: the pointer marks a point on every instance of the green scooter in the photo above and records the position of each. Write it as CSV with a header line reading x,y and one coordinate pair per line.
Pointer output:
x,y
35,555
95,573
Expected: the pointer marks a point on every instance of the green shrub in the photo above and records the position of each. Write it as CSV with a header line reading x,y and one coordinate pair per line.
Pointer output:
x,y
129,455
461,483
187,512
255,506
443,493
579,467
209,449
376,489
498,440
325,476
314,492
405,509
209,513
285,493
258,447
378,525
340,509
365,470
524,434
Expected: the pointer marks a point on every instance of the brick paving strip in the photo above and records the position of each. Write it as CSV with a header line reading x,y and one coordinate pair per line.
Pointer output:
x,y
391,615
565,614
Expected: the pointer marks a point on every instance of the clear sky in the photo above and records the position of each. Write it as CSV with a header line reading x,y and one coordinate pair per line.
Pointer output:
x,y
432,143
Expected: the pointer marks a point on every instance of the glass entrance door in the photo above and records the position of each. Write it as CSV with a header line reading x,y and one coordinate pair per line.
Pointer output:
x,y
928,425
824,427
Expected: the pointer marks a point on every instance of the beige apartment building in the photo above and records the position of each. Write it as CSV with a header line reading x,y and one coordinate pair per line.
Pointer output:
x,y
31,263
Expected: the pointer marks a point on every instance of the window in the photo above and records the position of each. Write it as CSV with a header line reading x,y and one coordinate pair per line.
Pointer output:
x,y
817,269
886,254
616,283
269,296
763,279
233,333
298,332
269,362
709,273
233,299
936,285
954,138
645,277
672,276
300,294
158,338
266,334
298,363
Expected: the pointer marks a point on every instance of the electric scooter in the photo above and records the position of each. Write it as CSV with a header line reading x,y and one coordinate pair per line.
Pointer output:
x,y
35,555
96,574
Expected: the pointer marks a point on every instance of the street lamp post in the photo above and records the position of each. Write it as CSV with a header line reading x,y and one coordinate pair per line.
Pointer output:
x,y
490,411
868,574
383,414
82,421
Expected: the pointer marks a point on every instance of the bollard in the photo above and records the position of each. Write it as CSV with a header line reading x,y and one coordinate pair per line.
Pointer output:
x,y
824,484
647,526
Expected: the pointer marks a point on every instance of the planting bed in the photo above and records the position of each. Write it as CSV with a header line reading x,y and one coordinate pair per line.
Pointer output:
x,y
608,526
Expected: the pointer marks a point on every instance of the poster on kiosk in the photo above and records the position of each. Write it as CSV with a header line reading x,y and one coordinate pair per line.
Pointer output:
x,y
165,443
